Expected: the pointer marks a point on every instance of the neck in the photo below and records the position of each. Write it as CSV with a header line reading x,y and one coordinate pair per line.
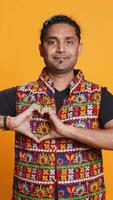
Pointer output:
x,y
61,81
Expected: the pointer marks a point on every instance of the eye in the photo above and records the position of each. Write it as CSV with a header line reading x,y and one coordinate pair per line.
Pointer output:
x,y
69,42
51,42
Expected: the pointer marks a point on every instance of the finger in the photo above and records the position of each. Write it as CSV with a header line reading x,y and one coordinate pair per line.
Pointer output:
x,y
51,113
53,117
55,134
29,119
32,136
37,107
47,110
29,112
34,107
45,137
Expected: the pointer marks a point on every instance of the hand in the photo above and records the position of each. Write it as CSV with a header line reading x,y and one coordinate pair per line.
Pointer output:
x,y
57,126
21,122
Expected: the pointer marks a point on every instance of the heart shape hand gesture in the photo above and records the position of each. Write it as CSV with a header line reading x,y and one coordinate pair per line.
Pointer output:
x,y
20,123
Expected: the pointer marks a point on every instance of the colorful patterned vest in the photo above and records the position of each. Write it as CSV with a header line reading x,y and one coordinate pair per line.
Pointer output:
x,y
62,169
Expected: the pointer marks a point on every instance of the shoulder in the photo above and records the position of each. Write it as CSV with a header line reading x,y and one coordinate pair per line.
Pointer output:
x,y
106,99
8,101
91,86
9,91
106,94
106,107
28,87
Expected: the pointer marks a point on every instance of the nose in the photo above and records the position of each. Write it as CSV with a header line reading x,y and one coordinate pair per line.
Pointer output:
x,y
60,47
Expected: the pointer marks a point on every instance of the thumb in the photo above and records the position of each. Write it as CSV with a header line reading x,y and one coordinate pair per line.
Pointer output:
x,y
45,137
32,136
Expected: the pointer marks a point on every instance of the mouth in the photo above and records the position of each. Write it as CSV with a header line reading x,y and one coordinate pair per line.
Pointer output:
x,y
60,58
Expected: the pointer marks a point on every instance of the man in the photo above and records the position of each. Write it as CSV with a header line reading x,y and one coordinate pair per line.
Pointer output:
x,y
62,123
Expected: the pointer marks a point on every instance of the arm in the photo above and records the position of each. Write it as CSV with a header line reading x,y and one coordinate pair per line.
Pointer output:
x,y
8,101
100,139
20,123
1,121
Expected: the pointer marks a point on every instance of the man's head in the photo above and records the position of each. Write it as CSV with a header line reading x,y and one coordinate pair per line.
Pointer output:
x,y
60,43
56,19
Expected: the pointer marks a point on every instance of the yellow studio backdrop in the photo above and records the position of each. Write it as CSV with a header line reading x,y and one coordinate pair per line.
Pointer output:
x,y
20,62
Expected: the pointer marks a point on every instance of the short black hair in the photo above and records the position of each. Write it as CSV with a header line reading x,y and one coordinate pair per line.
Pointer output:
x,y
59,19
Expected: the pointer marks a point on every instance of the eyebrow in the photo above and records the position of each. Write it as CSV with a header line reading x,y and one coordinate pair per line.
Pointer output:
x,y
55,38
70,37
51,37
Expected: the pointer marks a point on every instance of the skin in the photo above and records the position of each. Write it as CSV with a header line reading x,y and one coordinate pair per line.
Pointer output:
x,y
21,122
60,48
60,51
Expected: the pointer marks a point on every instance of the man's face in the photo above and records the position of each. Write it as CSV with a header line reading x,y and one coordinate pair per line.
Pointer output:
x,y
60,48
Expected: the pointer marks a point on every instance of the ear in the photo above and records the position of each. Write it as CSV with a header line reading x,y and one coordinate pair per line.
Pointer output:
x,y
41,50
80,48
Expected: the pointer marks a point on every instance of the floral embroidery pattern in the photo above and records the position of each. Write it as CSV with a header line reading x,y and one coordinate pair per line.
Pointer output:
x,y
64,165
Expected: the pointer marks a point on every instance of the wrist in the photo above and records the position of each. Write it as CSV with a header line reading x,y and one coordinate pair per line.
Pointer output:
x,y
65,130
1,122
69,131
10,123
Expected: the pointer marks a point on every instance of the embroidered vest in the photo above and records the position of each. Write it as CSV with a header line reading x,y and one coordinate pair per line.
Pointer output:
x,y
62,169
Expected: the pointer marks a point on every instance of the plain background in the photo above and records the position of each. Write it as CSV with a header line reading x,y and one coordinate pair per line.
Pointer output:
x,y
20,62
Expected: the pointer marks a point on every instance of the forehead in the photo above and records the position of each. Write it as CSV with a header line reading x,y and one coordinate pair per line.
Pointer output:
x,y
61,30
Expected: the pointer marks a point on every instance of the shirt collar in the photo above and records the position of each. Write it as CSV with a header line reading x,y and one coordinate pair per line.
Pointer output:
x,y
74,84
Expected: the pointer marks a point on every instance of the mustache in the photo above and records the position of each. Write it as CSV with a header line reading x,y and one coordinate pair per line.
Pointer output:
x,y
61,57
